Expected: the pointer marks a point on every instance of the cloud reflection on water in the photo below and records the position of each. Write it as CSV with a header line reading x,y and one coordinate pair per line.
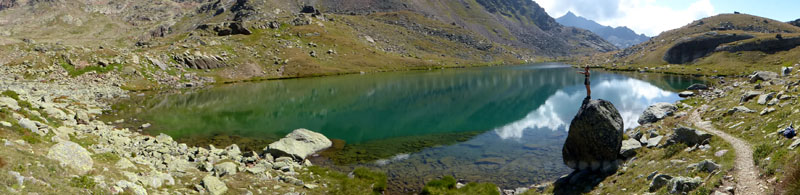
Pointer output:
x,y
630,96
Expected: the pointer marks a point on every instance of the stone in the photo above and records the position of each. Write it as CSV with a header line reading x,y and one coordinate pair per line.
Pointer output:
x,y
698,86
794,144
369,39
28,124
764,98
767,111
214,185
5,124
706,165
131,187
688,136
749,95
145,126
124,163
658,182
9,103
653,142
686,94
786,71
656,112
740,109
762,76
629,147
595,136
71,155
683,185
226,168
720,153
299,144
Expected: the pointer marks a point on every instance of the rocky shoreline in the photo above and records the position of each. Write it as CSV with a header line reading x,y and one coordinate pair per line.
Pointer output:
x,y
63,111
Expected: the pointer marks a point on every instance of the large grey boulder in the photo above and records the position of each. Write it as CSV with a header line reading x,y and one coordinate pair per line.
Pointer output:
x,y
656,112
595,137
226,168
71,155
683,185
740,109
762,76
299,144
688,136
706,165
214,185
764,98
10,103
629,147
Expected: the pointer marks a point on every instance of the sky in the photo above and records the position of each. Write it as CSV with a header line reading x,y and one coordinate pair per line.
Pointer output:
x,y
652,17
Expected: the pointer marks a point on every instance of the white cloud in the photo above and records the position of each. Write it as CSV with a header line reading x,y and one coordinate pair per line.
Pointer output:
x,y
643,16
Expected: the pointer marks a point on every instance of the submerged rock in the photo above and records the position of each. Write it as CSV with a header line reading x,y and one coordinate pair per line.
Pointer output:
x,y
697,86
656,112
595,137
299,144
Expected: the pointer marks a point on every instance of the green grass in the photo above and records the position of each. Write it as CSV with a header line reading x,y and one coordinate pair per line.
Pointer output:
x,y
761,151
84,181
672,150
73,72
447,185
106,157
364,181
85,142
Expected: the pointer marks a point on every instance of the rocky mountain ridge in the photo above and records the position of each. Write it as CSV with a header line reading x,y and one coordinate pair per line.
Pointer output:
x,y
621,36
263,39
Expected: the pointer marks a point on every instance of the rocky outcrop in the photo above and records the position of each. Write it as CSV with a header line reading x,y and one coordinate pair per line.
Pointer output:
x,y
299,144
71,155
706,165
770,45
200,61
762,76
656,112
225,28
595,137
764,98
740,109
697,47
688,136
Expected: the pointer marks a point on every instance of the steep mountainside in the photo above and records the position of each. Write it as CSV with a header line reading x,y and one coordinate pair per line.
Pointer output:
x,y
726,44
158,41
622,37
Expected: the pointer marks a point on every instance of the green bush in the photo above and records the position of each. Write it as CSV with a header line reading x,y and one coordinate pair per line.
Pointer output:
x,y
761,151
84,182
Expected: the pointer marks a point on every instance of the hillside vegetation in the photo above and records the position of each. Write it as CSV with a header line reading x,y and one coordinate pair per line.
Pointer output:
x,y
764,44
192,42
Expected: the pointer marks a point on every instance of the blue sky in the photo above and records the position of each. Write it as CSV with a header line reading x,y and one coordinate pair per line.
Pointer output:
x,y
651,17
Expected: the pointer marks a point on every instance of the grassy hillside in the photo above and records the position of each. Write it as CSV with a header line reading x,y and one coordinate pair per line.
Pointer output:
x,y
170,43
649,56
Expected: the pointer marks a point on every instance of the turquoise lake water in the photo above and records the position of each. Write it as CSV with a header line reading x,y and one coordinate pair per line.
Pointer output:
x,y
520,113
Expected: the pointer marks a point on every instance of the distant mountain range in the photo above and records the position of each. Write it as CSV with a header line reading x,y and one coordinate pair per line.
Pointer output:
x,y
622,37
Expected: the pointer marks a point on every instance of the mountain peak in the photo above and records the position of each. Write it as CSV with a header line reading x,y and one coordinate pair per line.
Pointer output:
x,y
621,36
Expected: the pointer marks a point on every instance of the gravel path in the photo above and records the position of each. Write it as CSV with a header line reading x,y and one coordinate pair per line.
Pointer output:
x,y
746,173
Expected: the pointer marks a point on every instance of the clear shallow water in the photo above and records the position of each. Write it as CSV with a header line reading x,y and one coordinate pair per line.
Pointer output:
x,y
523,112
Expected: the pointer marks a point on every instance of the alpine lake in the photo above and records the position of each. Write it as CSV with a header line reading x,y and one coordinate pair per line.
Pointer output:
x,y
503,124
